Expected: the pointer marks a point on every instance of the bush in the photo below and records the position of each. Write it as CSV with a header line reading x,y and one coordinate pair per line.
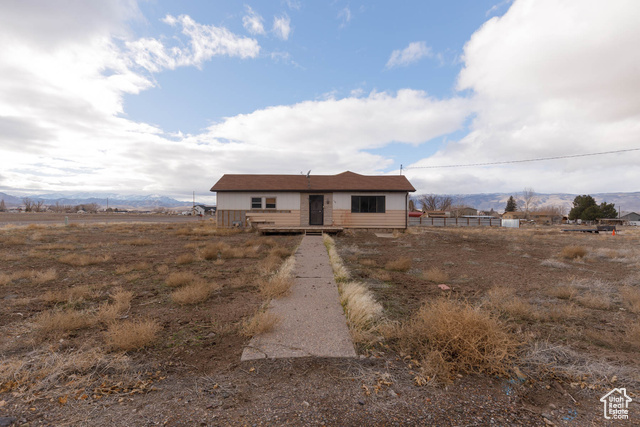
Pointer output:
x,y
132,334
260,323
451,336
573,252
434,274
400,264
194,293
180,278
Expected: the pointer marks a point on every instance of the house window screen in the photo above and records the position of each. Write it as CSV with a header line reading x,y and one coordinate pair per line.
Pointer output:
x,y
367,204
256,203
270,202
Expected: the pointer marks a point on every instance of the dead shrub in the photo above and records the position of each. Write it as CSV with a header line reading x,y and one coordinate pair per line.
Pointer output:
x,y
5,279
631,298
280,252
563,291
194,293
124,269
213,250
400,264
434,274
261,322
132,334
162,269
185,259
40,277
554,263
231,253
573,252
108,313
180,278
506,302
275,287
633,335
367,262
63,321
595,301
14,241
559,313
382,275
137,242
81,260
72,295
269,264
451,336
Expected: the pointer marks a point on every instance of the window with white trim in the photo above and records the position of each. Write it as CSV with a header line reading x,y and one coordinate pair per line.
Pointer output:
x,y
256,203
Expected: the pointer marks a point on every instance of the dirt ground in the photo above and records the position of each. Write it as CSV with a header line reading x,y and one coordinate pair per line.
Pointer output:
x,y
191,374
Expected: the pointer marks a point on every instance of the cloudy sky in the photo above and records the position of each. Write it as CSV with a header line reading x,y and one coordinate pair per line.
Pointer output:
x,y
163,97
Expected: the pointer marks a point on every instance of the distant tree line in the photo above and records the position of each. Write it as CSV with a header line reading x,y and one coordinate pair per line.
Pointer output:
x,y
586,209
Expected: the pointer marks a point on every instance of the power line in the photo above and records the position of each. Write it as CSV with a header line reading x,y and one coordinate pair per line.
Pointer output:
x,y
523,161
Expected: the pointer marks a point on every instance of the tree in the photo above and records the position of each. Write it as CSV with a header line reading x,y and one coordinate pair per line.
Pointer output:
x,y
529,199
434,202
512,206
586,209
28,204
38,206
412,205
3,208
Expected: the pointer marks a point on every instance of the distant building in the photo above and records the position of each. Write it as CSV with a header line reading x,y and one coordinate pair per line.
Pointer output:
x,y
631,216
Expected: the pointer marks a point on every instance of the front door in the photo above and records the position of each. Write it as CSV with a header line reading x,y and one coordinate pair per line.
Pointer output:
x,y
316,210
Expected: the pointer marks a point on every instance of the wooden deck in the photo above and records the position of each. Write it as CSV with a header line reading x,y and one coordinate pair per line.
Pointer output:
x,y
309,229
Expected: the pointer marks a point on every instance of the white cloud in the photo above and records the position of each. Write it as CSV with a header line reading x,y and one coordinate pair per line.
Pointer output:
x,y
410,54
293,4
549,78
345,16
252,22
282,26
205,42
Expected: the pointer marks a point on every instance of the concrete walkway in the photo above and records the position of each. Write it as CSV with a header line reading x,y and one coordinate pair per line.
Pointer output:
x,y
312,322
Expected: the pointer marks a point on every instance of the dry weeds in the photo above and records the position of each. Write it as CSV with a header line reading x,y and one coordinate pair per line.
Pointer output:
x,y
631,298
132,334
563,291
63,321
81,260
194,293
399,264
340,272
451,336
360,306
108,313
72,295
185,259
140,241
434,274
180,278
573,252
261,322
595,301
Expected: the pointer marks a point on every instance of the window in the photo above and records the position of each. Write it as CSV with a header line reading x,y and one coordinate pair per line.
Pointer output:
x,y
270,202
367,204
256,203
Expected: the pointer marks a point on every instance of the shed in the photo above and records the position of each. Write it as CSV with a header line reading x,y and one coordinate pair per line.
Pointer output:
x,y
346,200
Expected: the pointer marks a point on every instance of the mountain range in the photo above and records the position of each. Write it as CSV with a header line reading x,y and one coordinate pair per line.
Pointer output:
x,y
627,202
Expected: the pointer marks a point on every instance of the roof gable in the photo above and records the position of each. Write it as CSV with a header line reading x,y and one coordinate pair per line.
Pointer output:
x,y
345,181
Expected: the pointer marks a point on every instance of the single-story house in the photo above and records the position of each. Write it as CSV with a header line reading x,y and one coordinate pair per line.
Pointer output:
x,y
347,200
514,215
631,216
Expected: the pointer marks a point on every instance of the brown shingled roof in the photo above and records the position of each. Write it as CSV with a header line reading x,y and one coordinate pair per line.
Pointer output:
x,y
345,181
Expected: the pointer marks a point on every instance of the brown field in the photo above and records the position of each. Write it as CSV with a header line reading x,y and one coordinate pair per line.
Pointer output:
x,y
135,324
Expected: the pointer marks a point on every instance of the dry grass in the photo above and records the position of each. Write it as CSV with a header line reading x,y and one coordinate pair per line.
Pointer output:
x,y
434,274
268,265
108,313
63,321
180,278
280,283
382,275
367,262
162,269
340,272
554,263
37,277
595,301
213,250
562,312
140,241
573,252
138,266
261,322
399,264
81,260
280,252
563,292
631,298
194,293
361,308
56,247
633,335
185,259
132,334
40,277
449,336
69,295
506,302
